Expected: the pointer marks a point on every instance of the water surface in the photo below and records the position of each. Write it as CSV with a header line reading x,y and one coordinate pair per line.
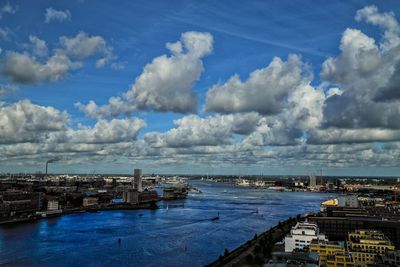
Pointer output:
x,y
182,235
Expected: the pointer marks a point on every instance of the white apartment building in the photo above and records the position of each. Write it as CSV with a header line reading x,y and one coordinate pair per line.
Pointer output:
x,y
301,235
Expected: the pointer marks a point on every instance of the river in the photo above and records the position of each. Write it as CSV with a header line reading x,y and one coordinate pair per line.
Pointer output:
x,y
180,235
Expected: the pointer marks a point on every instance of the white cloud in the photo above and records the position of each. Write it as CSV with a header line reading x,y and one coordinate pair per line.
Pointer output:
x,y
263,92
367,74
193,130
38,66
21,68
336,136
8,9
32,131
39,46
114,131
56,15
83,46
387,21
166,83
27,122
24,69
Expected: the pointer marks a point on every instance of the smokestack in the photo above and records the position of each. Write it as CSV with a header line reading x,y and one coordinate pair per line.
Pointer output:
x,y
50,161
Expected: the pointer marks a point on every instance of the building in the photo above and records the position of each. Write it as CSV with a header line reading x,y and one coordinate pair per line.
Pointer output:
x,y
348,201
52,205
365,245
301,236
148,196
391,258
328,203
325,248
173,193
90,201
131,196
19,204
339,259
338,228
293,259
312,181
137,179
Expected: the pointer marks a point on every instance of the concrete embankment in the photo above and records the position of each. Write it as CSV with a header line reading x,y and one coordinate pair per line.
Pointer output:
x,y
256,251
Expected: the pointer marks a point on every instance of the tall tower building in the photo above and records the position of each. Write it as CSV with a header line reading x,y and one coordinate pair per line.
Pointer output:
x,y
312,181
137,179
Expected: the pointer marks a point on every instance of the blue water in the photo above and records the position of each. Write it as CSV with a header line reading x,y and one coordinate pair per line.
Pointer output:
x,y
182,235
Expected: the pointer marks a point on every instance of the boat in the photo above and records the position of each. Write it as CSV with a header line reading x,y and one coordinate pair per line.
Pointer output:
x,y
215,217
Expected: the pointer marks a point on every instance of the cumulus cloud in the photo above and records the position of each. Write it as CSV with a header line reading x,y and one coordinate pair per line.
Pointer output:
x,y
56,15
366,72
262,92
8,9
279,117
387,21
30,131
27,122
166,83
24,69
349,136
38,66
39,46
83,46
114,131
193,130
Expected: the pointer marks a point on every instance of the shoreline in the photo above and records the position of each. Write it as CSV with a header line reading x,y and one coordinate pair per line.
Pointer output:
x,y
266,239
36,218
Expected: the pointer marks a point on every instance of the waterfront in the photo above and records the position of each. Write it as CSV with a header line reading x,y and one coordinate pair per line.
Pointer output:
x,y
182,235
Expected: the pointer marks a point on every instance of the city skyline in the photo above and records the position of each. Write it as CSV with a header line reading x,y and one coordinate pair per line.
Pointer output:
x,y
189,87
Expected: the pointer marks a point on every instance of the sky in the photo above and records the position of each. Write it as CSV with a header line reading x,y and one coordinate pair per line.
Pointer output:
x,y
200,87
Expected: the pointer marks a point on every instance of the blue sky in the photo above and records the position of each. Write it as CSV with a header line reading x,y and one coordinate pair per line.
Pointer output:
x,y
301,111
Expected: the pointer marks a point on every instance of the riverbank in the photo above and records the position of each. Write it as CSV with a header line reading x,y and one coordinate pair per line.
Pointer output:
x,y
257,251
35,218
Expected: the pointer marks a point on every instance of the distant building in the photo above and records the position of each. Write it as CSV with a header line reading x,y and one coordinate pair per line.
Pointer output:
x,y
172,193
348,201
52,205
148,196
19,203
131,196
301,235
365,245
137,179
90,201
312,181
